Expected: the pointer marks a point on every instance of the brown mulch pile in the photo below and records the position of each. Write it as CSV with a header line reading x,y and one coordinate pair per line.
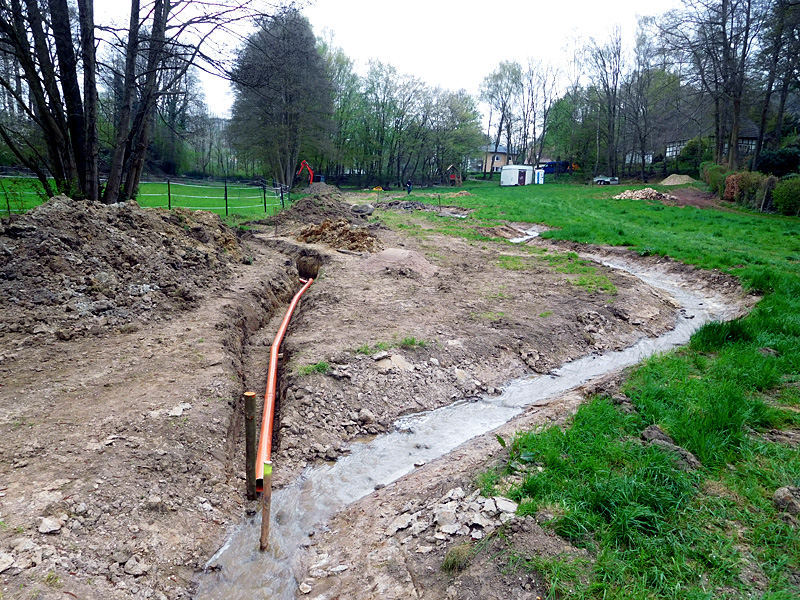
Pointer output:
x,y
645,194
74,267
340,234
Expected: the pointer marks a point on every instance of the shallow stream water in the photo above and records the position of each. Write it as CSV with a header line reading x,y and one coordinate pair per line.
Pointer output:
x,y
241,571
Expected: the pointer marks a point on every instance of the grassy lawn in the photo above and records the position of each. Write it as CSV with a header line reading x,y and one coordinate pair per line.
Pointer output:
x,y
19,194
652,529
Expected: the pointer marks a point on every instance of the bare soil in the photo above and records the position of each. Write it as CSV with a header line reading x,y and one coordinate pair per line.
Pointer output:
x,y
128,336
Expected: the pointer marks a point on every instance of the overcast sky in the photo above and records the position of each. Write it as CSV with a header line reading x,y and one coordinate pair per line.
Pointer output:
x,y
454,44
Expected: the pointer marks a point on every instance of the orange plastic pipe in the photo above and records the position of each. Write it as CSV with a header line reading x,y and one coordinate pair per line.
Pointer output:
x,y
263,457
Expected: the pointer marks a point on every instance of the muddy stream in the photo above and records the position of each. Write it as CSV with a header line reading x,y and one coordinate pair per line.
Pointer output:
x,y
240,571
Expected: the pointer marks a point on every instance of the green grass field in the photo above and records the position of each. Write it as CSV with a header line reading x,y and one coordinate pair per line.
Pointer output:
x,y
21,194
653,530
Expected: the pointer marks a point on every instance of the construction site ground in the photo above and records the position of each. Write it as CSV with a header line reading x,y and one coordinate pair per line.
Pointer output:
x,y
128,336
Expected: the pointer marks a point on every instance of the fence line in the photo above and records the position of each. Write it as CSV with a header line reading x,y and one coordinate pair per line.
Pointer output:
x,y
278,195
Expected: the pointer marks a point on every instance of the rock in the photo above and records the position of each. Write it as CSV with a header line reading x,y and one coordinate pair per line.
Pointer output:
x,y
424,549
6,560
434,362
686,461
418,527
489,506
134,567
445,514
401,363
304,588
363,209
50,525
654,432
380,355
178,410
462,377
787,499
401,522
337,570
366,416
505,505
480,520
449,528
456,493
477,534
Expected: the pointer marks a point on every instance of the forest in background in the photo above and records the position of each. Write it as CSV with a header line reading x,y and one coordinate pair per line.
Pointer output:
x,y
714,81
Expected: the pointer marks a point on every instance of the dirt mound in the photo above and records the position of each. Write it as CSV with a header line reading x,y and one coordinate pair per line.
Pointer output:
x,y
73,267
317,208
676,179
450,211
323,189
645,194
402,261
340,234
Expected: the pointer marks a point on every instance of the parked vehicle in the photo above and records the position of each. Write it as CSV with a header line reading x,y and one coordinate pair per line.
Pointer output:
x,y
603,180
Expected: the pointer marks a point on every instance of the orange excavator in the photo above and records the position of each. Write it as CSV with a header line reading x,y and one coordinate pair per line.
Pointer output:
x,y
305,165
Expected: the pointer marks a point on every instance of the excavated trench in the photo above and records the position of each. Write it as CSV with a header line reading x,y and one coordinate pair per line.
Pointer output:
x,y
239,570
251,319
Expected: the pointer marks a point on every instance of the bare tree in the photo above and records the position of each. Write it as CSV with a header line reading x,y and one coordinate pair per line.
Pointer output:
x,y
606,62
56,132
499,90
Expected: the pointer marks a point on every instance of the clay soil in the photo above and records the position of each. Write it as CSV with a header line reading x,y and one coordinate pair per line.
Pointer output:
x,y
127,337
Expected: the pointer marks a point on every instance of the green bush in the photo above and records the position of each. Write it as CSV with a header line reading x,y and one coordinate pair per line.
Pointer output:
x,y
786,197
693,155
743,188
764,193
779,162
714,175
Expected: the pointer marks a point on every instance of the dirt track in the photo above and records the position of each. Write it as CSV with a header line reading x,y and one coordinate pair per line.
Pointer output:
x,y
122,458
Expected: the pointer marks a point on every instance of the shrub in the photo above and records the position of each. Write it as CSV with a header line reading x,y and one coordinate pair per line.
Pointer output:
x,y
692,156
714,175
749,183
786,196
731,187
764,193
779,162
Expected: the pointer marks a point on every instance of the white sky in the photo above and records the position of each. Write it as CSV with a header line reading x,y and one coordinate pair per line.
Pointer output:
x,y
453,44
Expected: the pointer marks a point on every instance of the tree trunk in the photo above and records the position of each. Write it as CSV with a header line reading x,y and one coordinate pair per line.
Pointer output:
x,y
68,70
146,116
111,194
86,16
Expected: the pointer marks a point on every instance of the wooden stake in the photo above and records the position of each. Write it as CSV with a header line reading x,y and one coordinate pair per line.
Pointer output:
x,y
266,506
250,443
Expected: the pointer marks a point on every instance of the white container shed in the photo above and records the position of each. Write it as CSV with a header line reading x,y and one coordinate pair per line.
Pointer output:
x,y
516,175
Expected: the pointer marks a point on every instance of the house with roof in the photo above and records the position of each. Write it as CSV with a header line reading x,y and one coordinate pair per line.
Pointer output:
x,y
748,135
491,160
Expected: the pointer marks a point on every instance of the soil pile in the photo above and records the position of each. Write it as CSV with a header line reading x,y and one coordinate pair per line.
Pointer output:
x,y
316,208
676,179
409,205
340,234
402,261
73,267
645,194
323,189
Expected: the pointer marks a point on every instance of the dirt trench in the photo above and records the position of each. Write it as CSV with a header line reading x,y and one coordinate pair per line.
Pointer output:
x,y
122,466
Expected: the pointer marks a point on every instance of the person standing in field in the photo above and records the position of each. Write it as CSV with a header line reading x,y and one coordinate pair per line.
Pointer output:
x,y
408,187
